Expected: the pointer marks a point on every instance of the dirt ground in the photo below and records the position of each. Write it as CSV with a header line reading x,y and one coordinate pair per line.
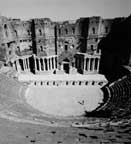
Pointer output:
x,y
24,133
65,100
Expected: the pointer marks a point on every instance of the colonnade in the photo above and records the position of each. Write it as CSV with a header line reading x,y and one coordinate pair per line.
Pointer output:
x,y
88,63
21,64
40,63
45,63
91,64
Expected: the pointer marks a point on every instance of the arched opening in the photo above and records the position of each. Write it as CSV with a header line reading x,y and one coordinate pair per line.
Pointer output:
x,y
86,83
53,82
79,82
93,30
40,32
41,48
66,31
73,83
6,30
28,32
92,48
73,30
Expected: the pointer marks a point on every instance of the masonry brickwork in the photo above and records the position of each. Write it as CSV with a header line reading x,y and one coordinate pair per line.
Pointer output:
x,y
44,37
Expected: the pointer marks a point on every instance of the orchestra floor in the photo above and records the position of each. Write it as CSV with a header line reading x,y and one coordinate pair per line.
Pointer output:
x,y
64,100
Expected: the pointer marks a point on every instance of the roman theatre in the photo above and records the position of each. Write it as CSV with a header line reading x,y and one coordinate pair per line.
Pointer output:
x,y
57,87
37,89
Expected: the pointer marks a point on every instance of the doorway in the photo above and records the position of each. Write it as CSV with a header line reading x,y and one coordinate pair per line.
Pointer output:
x,y
66,66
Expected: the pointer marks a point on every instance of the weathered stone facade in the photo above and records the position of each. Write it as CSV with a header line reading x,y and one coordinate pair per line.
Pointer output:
x,y
44,37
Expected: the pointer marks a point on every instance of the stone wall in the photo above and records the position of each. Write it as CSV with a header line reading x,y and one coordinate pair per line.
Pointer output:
x,y
44,37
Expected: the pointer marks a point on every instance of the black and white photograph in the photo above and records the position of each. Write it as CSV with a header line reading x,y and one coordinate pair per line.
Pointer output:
x,y
65,71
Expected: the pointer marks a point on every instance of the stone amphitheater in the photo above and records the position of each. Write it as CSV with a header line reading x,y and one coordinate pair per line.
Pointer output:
x,y
62,99
22,122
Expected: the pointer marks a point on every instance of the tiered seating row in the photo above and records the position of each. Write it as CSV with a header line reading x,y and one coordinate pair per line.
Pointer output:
x,y
119,93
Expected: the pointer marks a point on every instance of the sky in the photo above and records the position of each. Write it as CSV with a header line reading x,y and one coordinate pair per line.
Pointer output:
x,y
64,9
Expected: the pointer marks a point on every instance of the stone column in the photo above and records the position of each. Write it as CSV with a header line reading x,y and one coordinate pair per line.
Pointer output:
x,y
18,66
28,64
50,60
54,62
35,64
84,64
39,64
49,64
43,64
25,64
13,64
89,63
93,65
98,64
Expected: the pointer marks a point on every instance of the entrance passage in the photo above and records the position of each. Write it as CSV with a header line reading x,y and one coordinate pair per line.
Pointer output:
x,y
66,65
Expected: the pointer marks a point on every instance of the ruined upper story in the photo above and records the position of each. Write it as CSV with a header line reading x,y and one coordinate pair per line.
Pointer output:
x,y
45,35
11,29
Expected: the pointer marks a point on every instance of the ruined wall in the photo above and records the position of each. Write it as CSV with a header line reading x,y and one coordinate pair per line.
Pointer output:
x,y
44,36
23,39
7,40
66,36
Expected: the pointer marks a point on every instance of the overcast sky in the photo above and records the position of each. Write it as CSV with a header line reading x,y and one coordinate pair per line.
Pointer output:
x,y
64,9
